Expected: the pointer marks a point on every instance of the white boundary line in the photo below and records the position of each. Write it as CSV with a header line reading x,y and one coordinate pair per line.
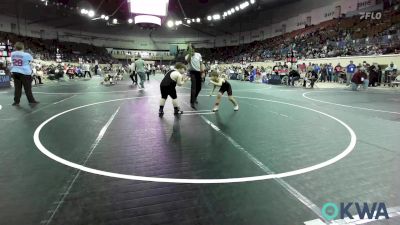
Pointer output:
x,y
347,151
94,145
195,111
107,92
240,90
193,114
347,106
303,199
82,93
55,103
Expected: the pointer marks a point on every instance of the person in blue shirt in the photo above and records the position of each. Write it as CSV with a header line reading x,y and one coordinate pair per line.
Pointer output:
x,y
22,74
317,68
350,70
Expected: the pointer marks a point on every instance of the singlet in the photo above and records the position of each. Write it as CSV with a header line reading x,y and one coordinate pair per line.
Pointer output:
x,y
225,85
168,81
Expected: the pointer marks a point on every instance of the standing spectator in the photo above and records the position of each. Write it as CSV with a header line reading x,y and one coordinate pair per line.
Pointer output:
x,y
302,68
310,67
317,69
195,70
153,69
324,73
350,70
148,71
86,69
96,69
140,70
329,70
276,69
373,74
22,71
133,75
338,71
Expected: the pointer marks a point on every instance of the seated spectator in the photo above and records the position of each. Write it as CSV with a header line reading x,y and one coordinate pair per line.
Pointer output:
x,y
311,76
293,76
390,73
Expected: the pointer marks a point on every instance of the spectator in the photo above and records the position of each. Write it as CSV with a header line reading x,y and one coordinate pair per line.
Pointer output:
x,y
140,70
22,74
358,78
329,71
373,74
338,71
350,70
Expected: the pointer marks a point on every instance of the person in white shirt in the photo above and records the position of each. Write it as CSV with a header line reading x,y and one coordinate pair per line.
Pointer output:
x,y
389,73
86,68
196,68
168,84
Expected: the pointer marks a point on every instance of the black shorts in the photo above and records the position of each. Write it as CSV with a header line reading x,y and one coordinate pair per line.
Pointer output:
x,y
168,91
226,87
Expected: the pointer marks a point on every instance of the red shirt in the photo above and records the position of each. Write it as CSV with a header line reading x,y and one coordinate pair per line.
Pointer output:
x,y
338,69
357,77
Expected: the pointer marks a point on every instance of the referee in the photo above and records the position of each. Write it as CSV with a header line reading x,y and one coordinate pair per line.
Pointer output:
x,y
195,70
22,74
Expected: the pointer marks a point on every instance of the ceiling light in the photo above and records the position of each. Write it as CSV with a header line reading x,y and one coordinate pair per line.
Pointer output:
x,y
91,13
193,20
130,21
198,20
237,8
216,17
209,18
170,23
188,21
252,1
244,5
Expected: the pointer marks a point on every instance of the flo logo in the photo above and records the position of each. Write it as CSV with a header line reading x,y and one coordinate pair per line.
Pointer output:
x,y
370,15
331,211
